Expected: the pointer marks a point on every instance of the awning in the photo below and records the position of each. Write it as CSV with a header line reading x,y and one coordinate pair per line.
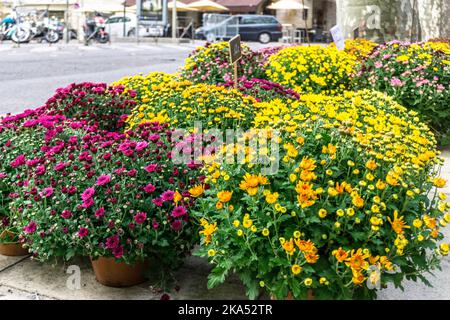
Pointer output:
x,y
287,5
207,5
102,6
181,7
44,4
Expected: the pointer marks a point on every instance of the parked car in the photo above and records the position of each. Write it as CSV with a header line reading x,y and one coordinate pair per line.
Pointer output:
x,y
251,27
115,27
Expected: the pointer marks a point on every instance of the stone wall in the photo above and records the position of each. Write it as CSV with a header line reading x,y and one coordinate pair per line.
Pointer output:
x,y
384,20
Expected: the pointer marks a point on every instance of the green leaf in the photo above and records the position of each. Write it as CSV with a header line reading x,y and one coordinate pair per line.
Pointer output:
x,y
217,276
421,261
425,281
251,284
70,254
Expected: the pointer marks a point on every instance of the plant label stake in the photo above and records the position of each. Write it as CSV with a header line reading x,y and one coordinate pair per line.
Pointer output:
x,y
235,55
338,37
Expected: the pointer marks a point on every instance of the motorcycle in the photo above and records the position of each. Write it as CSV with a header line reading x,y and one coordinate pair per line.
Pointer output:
x,y
12,30
21,33
95,29
50,32
44,28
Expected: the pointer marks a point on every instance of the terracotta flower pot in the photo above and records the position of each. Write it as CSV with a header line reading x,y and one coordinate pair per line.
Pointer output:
x,y
118,274
11,249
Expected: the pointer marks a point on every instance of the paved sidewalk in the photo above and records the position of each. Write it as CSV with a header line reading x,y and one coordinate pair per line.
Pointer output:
x,y
31,280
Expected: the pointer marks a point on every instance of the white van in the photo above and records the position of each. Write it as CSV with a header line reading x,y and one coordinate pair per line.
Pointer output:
x,y
115,27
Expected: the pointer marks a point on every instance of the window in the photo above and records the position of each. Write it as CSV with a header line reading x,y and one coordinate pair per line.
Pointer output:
x,y
250,20
259,20
269,20
305,14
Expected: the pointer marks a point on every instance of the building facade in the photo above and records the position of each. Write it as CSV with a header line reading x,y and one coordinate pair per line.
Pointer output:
x,y
379,20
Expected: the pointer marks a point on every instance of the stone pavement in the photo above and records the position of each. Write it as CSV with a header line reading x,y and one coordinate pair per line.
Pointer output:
x,y
26,279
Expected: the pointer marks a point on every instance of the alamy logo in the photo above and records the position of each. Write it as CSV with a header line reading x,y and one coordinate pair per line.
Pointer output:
x,y
373,14
374,277
74,280
230,146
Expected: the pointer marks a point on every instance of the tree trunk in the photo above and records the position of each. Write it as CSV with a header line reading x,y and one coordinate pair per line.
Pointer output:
x,y
385,20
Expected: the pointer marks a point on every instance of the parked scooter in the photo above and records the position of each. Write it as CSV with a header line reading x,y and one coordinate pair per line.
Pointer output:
x,y
95,29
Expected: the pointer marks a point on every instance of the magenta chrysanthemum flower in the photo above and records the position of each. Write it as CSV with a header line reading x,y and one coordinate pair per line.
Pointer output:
x,y
87,203
19,161
158,202
88,193
30,228
149,188
151,168
83,232
103,179
60,166
167,195
132,173
140,217
66,214
47,192
179,211
76,125
33,162
129,153
118,252
73,139
100,212
30,123
154,137
141,145
132,93
112,242
40,170
176,225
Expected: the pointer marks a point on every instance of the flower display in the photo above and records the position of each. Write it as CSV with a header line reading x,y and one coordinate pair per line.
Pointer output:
x,y
139,85
95,102
263,90
336,217
329,187
416,75
359,48
267,52
439,44
312,69
181,103
375,121
211,64
99,199
18,138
